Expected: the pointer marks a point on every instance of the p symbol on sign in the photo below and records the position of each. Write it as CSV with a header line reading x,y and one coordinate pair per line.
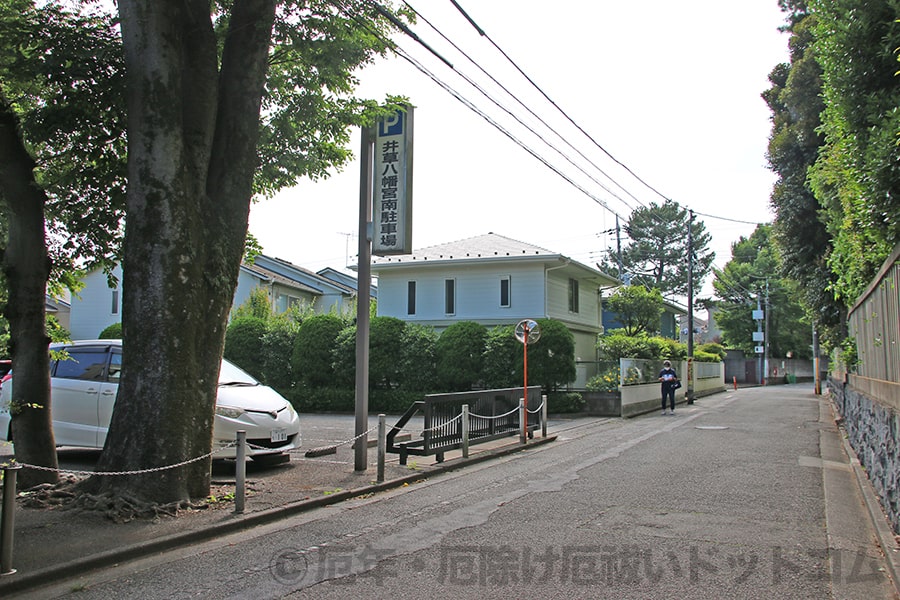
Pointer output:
x,y
391,124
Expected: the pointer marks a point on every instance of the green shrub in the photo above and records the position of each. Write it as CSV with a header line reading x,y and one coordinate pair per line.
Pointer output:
x,y
312,355
321,399
607,381
712,348
460,350
503,358
112,332
551,361
564,402
616,344
418,368
385,352
277,348
244,345
700,356
343,358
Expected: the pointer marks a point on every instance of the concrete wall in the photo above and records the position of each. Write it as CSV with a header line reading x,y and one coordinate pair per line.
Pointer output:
x,y
873,430
643,398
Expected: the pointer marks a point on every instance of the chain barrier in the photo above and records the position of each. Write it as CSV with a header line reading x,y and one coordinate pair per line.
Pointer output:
x,y
537,410
121,473
513,411
330,447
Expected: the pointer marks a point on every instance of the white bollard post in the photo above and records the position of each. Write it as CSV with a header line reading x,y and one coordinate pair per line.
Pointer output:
x,y
382,447
544,416
465,430
523,433
240,472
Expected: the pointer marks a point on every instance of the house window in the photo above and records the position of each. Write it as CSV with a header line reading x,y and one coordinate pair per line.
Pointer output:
x,y
450,296
504,292
115,302
573,295
411,297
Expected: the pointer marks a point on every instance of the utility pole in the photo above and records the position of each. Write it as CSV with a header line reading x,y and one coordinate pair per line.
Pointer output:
x,y
690,309
815,344
618,247
766,344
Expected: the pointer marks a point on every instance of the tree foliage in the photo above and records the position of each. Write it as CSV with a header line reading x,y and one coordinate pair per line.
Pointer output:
x,y
749,276
459,353
857,175
799,229
61,184
312,356
551,360
637,309
225,101
656,256
244,345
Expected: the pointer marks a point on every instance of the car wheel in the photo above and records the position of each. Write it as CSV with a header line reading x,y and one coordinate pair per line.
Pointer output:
x,y
269,460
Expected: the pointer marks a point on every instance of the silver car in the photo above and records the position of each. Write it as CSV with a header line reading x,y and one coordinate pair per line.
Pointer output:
x,y
84,385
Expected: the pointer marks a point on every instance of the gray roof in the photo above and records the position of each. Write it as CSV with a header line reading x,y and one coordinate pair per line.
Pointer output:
x,y
490,245
280,279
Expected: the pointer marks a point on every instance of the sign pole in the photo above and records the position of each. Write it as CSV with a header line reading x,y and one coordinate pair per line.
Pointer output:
x,y
363,285
525,370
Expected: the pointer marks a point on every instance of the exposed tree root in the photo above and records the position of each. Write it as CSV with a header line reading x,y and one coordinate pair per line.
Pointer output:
x,y
120,509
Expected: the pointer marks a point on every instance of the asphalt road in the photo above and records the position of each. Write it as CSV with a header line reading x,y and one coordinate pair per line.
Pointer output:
x,y
742,495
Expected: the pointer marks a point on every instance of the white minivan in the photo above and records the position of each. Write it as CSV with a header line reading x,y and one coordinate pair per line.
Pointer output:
x,y
83,388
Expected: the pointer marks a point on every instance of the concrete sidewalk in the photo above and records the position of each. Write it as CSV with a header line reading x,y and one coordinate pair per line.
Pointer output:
x,y
54,545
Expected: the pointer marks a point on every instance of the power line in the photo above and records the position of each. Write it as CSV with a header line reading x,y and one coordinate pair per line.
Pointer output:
x,y
555,105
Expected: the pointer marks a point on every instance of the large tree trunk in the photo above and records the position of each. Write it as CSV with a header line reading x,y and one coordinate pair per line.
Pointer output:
x,y
192,138
26,265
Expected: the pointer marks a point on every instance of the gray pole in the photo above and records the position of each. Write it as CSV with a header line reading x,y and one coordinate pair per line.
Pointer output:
x,y
7,519
240,472
690,310
364,281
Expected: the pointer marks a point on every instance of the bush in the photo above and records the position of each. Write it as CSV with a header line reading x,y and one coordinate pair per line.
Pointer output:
x,y
564,402
385,352
503,358
312,355
460,350
607,381
700,356
616,344
343,358
112,332
244,346
717,349
278,345
418,369
551,361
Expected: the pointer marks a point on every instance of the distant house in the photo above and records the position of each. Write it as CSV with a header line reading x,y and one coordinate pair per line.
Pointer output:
x,y
290,285
668,322
98,305
59,308
495,280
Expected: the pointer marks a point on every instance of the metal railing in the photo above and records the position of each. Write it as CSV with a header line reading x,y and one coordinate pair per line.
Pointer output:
x,y
875,324
493,414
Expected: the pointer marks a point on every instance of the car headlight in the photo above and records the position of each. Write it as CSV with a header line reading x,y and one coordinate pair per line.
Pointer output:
x,y
228,411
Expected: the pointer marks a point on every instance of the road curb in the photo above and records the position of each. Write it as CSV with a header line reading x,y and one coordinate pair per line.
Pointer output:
x,y
883,531
19,582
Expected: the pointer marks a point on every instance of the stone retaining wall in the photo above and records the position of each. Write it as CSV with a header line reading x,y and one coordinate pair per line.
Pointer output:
x,y
873,431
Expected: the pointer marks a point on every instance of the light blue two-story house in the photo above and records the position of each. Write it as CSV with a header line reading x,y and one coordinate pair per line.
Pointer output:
x,y
98,304
495,280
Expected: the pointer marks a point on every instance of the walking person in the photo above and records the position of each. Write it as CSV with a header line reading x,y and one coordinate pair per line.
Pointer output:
x,y
669,379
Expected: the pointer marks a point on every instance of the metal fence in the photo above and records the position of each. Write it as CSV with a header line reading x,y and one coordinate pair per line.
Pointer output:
x,y
875,324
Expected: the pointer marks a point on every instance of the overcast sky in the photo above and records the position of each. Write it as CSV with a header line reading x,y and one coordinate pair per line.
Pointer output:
x,y
669,90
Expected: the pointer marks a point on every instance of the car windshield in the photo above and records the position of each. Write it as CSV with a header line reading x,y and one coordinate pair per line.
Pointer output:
x,y
232,375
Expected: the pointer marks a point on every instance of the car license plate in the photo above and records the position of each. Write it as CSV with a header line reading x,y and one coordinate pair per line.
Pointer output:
x,y
278,435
